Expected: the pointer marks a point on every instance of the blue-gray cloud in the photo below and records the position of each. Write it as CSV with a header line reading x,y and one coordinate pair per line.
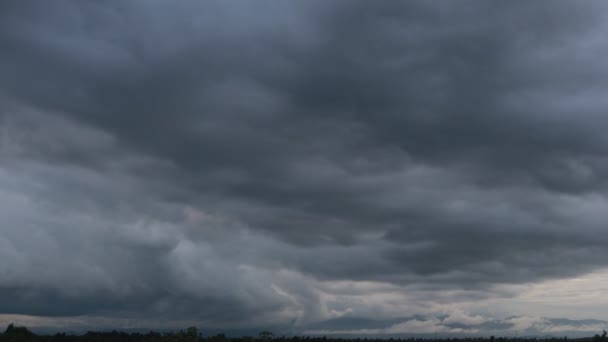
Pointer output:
x,y
220,161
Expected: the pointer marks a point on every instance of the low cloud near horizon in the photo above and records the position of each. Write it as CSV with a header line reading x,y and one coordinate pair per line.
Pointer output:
x,y
242,165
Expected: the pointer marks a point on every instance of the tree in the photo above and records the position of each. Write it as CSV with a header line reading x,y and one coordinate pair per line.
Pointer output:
x,y
192,334
20,334
192,331
265,335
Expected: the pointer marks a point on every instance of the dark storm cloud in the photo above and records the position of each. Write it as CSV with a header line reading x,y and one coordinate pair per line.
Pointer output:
x,y
411,143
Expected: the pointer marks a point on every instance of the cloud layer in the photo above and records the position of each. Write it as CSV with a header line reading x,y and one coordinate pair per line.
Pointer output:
x,y
292,163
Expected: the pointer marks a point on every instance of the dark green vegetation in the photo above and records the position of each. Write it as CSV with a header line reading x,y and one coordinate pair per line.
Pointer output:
x,y
22,334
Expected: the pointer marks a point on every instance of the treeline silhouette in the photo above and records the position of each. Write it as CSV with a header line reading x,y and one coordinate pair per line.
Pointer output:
x,y
191,334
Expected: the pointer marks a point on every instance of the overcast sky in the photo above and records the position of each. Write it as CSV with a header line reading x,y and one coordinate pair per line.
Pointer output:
x,y
437,167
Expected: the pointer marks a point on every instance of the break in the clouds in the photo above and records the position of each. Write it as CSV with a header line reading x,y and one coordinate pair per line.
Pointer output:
x,y
437,167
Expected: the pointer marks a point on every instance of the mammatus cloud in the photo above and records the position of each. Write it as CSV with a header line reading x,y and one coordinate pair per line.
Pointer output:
x,y
290,164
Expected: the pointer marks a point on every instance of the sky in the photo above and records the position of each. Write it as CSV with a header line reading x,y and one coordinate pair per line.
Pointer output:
x,y
330,167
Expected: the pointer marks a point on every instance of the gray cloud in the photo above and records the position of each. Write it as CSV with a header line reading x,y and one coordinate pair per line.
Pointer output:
x,y
462,324
220,161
